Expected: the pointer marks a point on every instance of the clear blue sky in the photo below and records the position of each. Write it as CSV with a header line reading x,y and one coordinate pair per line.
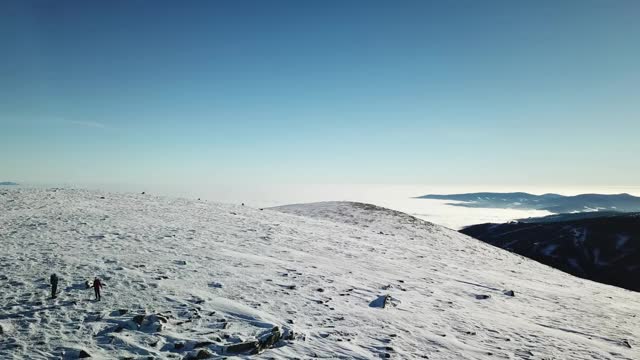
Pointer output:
x,y
433,92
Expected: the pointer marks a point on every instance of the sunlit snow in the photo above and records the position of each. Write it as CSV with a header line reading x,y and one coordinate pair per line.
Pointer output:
x,y
187,277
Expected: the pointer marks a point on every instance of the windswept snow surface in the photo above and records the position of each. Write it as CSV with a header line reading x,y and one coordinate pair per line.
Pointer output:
x,y
207,276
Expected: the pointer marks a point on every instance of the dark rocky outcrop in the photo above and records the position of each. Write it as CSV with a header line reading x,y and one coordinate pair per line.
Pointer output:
x,y
263,342
138,319
268,340
203,354
202,344
381,301
243,347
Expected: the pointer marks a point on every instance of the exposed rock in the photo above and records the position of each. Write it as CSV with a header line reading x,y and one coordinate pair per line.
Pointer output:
x,y
381,302
243,347
626,343
215,285
268,340
202,344
83,354
482,297
178,346
509,293
203,354
138,319
288,334
123,311
148,323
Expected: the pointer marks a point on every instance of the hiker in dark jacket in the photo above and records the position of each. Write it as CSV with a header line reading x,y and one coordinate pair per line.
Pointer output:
x,y
54,285
97,285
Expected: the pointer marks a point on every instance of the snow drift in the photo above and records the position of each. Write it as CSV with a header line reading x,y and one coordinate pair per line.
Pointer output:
x,y
192,279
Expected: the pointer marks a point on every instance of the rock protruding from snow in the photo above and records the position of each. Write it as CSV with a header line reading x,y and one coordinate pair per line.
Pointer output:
x,y
249,347
269,339
381,301
263,342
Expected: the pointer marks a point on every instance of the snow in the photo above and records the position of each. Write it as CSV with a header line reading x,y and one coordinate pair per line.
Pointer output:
x,y
207,276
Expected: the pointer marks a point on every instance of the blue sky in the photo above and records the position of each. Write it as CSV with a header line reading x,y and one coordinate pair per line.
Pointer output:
x,y
430,92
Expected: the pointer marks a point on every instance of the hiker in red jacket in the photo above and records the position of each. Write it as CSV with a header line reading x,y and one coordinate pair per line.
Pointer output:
x,y
97,285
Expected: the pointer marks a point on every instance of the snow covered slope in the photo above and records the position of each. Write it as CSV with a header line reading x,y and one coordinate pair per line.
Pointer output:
x,y
189,278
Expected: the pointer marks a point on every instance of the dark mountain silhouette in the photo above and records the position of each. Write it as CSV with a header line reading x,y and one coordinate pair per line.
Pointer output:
x,y
551,202
604,249
572,216
7,183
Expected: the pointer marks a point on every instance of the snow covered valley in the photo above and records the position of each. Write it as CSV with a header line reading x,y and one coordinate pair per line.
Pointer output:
x,y
194,279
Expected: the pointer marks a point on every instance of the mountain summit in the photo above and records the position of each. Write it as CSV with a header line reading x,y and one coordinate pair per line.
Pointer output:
x,y
187,279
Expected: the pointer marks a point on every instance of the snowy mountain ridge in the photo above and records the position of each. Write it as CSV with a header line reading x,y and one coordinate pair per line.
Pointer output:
x,y
554,203
193,279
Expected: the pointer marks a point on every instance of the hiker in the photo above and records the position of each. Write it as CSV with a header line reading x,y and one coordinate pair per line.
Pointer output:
x,y
54,285
97,285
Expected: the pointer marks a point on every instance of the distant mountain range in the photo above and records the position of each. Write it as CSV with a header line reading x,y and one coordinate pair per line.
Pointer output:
x,y
572,216
7,183
551,202
604,248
